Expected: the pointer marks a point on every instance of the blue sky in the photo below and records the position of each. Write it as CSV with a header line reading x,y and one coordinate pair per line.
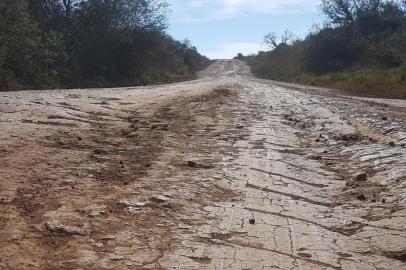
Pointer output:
x,y
222,28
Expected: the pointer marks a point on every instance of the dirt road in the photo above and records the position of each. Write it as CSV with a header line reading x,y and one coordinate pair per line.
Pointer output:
x,y
225,172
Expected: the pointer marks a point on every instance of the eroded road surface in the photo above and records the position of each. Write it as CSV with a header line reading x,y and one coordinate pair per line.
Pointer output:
x,y
224,172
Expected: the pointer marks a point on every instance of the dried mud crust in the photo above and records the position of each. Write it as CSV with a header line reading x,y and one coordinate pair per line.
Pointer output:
x,y
90,201
249,175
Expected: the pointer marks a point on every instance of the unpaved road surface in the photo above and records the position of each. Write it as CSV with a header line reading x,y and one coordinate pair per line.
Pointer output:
x,y
224,172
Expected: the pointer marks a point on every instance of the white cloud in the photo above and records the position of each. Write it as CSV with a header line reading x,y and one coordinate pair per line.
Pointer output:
x,y
208,10
229,50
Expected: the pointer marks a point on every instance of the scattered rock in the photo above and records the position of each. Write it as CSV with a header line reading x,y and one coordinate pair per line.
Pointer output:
x,y
392,144
316,157
117,258
362,177
372,140
192,164
54,227
252,221
384,118
161,199
96,212
108,237
99,152
99,245
350,137
361,197
132,206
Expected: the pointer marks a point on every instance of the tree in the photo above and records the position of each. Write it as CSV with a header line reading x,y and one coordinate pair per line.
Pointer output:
x,y
86,43
273,41
239,56
25,59
69,6
340,12
345,12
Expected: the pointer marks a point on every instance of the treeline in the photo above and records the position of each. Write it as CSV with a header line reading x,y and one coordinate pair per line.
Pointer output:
x,y
361,48
90,43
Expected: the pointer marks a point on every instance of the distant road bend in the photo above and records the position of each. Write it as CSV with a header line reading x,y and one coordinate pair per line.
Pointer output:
x,y
223,172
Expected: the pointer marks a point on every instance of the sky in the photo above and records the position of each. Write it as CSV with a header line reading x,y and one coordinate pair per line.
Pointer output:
x,y
222,28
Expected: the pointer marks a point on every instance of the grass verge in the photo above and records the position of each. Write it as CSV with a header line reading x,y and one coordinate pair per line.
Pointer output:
x,y
388,83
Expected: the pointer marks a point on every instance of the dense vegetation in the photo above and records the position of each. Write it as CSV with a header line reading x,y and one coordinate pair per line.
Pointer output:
x,y
361,48
89,43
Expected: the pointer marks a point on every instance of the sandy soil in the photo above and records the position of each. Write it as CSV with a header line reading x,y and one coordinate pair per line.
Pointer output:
x,y
224,172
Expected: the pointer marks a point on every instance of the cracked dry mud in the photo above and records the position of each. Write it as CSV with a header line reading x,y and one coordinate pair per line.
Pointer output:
x,y
224,172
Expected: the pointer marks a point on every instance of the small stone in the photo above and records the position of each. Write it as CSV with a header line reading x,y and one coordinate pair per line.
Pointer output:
x,y
96,213
62,229
108,237
350,137
252,221
361,197
99,245
361,177
384,118
392,144
99,152
127,203
383,200
192,164
161,199
117,258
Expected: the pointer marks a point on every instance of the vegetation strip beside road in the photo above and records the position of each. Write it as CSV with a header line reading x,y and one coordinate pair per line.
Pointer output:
x,y
48,44
360,49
